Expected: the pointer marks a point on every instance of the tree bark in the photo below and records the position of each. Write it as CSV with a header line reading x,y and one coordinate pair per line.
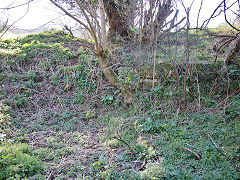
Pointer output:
x,y
103,26
103,60
231,59
117,23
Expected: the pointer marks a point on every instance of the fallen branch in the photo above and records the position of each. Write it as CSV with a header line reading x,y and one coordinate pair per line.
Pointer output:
x,y
191,151
233,94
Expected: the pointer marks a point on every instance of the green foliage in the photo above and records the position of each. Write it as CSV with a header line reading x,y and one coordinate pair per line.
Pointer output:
x,y
18,101
78,98
143,152
5,119
78,75
91,114
52,55
206,134
3,26
199,133
151,126
55,80
108,99
63,120
233,110
128,79
76,138
52,36
113,143
234,71
32,75
13,77
153,170
55,152
50,85
23,51
223,29
120,126
101,169
17,161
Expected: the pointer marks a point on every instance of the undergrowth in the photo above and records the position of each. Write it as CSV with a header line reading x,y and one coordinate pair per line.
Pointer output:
x,y
60,119
17,161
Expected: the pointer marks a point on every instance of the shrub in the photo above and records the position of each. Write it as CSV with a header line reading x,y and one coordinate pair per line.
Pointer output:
x,y
17,162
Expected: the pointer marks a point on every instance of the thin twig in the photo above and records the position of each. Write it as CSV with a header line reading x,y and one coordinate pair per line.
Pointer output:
x,y
7,8
199,93
124,142
215,145
28,4
225,16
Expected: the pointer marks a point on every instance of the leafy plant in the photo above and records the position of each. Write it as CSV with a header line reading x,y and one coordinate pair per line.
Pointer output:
x,y
108,99
17,161
32,75
78,98
18,101
151,126
55,80
153,170
233,111
5,118
90,114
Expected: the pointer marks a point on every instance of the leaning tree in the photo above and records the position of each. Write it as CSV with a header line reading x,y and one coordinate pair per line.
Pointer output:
x,y
150,18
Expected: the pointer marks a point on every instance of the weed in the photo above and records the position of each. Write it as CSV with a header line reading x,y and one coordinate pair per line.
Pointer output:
x,y
76,138
52,86
150,126
113,143
108,99
15,77
55,80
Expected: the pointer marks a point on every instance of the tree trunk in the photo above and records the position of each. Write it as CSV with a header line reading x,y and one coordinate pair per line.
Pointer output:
x,y
103,60
231,59
117,23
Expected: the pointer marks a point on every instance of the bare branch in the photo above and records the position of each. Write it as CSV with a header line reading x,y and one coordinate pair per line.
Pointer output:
x,y
70,15
91,29
212,15
49,21
225,16
191,151
199,12
7,8
17,19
